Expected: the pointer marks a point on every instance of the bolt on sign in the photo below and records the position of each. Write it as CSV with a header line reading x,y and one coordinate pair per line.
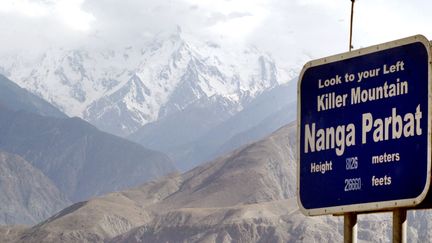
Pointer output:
x,y
364,129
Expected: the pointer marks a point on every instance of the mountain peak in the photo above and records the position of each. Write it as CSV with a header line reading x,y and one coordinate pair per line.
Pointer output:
x,y
178,30
95,84
171,35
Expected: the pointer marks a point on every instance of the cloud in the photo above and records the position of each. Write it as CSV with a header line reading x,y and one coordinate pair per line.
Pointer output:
x,y
72,14
292,31
109,22
38,24
69,12
299,30
135,20
25,7
234,15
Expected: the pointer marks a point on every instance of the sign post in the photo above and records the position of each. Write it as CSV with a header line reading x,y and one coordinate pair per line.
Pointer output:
x,y
350,227
350,231
364,129
400,225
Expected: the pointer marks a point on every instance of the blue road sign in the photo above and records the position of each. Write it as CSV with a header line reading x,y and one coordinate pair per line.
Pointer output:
x,y
364,133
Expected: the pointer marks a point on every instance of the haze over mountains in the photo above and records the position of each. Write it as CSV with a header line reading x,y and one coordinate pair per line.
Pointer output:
x,y
16,98
189,99
81,160
196,102
50,161
190,139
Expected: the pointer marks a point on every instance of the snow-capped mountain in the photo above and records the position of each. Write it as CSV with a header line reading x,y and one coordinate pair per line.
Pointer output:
x,y
122,89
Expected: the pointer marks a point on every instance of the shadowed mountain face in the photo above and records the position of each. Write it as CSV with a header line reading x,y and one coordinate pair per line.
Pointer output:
x,y
15,98
79,159
27,196
48,160
205,131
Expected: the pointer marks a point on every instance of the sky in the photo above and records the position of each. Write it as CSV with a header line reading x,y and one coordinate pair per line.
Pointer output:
x,y
292,31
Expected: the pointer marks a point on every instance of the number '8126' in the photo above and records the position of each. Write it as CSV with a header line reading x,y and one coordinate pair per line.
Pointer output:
x,y
351,163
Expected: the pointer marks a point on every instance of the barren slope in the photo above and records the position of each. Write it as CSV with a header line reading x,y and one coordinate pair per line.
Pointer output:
x,y
246,196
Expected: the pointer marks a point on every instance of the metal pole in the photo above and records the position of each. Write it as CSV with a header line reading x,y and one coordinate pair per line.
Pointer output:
x,y
350,219
351,25
400,225
350,228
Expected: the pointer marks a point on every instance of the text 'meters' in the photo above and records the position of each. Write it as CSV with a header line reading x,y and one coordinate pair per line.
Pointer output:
x,y
364,129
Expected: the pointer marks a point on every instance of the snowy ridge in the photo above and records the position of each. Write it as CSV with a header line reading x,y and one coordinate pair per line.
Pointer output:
x,y
122,89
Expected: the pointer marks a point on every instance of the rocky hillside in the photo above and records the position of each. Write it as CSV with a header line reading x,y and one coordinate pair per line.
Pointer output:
x,y
246,196
27,196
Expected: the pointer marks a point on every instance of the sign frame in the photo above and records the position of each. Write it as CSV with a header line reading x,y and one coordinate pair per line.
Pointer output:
x,y
380,205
